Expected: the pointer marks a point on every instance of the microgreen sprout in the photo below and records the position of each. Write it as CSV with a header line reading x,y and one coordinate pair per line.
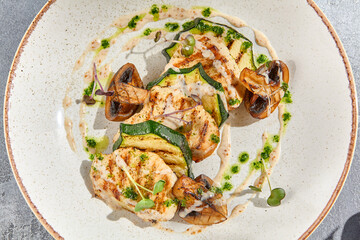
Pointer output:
x,y
277,194
187,44
256,189
188,124
145,203
89,100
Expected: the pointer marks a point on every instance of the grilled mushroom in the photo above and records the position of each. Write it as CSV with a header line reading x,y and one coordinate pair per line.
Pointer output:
x,y
199,205
115,108
264,91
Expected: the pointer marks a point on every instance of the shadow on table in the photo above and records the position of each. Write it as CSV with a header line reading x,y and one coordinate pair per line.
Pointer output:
x,y
351,229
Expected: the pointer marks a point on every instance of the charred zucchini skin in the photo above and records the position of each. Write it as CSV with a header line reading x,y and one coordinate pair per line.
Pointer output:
x,y
168,52
151,127
199,66
221,108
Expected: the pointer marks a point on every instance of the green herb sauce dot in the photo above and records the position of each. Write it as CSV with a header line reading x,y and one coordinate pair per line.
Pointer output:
x,y
243,157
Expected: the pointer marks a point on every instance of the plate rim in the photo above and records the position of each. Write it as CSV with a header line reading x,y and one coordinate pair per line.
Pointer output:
x,y
311,228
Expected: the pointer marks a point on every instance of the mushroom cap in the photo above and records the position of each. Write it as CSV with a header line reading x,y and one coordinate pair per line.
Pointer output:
x,y
115,109
202,207
264,91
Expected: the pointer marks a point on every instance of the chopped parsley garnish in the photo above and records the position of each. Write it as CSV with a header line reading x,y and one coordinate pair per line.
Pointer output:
x,y
94,168
243,157
188,25
276,138
287,97
235,169
200,191
256,165
245,46
154,9
216,190
266,152
169,202
133,21
147,32
227,177
206,12
91,142
144,157
110,175
105,43
164,8
227,186
91,157
129,192
218,30
99,156
231,35
202,27
234,101
262,58
286,116
89,89
284,86
214,138
155,12
183,203
172,27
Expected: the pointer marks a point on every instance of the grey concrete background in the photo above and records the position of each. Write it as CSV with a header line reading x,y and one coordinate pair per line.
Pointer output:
x,y
18,222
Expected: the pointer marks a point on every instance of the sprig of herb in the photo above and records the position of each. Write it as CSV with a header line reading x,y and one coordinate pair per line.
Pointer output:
x,y
145,203
187,44
188,124
276,194
89,100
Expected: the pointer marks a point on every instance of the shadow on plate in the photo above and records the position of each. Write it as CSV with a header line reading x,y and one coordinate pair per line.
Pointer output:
x,y
241,118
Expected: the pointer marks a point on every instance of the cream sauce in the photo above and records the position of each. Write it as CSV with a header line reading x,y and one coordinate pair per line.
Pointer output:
x,y
263,41
82,122
195,207
224,152
66,102
68,124
235,21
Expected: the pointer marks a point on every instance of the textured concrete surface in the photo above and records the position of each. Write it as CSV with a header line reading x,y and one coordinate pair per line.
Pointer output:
x,y
18,222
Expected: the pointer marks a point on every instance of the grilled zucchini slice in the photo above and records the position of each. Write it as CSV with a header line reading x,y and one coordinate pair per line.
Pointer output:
x,y
210,94
240,47
152,136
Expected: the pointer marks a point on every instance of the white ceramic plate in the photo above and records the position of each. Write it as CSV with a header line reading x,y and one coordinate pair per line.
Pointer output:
x,y
316,152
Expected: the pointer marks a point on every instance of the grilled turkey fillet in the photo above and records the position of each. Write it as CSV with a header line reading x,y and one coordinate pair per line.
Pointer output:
x,y
111,183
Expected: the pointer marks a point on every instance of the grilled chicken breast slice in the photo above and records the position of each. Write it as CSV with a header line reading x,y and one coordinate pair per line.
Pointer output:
x,y
203,133
217,62
112,185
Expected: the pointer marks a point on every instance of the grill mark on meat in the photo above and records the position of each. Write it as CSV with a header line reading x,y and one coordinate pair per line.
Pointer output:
x,y
237,60
202,134
230,44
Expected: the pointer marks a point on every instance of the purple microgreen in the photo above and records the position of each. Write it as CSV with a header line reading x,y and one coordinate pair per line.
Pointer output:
x,y
101,92
194,97
96,78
